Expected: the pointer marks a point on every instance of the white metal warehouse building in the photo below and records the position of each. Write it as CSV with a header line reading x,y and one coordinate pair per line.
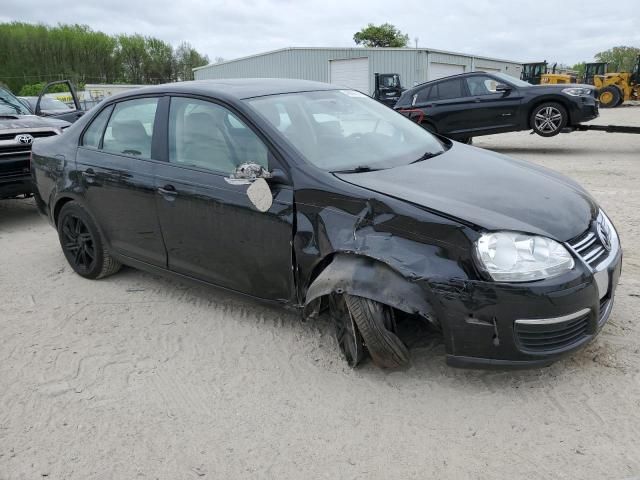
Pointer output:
x,y
355,67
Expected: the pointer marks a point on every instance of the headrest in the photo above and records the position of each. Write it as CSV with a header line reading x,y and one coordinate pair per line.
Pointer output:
x,y
128,130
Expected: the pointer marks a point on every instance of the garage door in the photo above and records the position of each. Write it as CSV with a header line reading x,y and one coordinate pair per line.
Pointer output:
x,y
488,70
351,73
439,70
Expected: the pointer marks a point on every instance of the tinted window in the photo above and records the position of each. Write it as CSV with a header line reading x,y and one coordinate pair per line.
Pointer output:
x,y
130,128
447,90
206,135
93,134
481,85
423,95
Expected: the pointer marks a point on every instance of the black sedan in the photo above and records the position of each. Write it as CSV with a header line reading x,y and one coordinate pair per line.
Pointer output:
x,y
479,103
320,199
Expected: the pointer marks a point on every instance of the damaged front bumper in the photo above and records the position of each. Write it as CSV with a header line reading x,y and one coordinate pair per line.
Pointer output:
x,y
489,325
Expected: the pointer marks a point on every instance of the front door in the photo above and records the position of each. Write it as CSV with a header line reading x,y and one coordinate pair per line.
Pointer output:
x,y
490,110
116,166
211,229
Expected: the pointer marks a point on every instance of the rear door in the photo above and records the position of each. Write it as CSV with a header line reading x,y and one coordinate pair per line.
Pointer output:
x,y
211,229
445,104
116,161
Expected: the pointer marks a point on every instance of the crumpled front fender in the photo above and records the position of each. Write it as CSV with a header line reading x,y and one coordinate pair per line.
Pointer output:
x,y
366,277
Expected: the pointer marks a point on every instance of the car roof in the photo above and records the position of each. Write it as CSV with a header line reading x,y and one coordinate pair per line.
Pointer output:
x,y
238,88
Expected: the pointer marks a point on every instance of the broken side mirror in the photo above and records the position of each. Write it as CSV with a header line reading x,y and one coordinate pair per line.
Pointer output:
x,y
247,173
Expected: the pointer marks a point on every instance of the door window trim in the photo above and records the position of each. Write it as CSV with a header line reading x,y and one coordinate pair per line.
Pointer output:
x,y
113,104
272,152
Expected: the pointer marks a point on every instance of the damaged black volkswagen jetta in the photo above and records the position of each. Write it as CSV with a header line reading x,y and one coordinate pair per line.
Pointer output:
x,y
321,198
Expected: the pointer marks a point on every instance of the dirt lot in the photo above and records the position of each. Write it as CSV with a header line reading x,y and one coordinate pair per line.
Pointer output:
x,y
137,376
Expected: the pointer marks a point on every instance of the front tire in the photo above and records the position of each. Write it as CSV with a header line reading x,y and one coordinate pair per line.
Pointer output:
x,y
376,324
610,97
548,119
83,244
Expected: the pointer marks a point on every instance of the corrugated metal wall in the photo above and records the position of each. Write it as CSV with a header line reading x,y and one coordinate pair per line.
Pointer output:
x,y
313,64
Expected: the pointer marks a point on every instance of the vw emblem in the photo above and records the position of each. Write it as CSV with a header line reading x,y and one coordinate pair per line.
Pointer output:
x,y
25,139
604,234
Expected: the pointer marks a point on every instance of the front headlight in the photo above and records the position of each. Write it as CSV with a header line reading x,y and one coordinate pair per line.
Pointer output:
x,y
577,91
518,257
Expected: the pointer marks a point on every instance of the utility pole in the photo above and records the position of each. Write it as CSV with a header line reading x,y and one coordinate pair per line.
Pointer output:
x,y
416,40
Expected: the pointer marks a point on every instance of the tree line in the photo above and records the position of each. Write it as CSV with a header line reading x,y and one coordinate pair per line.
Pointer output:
x,y
30,54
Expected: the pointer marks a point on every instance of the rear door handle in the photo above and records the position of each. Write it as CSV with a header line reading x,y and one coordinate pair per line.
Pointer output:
x,y
89,175
168,191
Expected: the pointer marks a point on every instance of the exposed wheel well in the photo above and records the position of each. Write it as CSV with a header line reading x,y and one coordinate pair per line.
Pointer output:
x,y
368,278
58,206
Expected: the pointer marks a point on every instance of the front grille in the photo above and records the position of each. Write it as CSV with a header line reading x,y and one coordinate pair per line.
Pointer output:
x,y
14,156
12,135
542,336
589,245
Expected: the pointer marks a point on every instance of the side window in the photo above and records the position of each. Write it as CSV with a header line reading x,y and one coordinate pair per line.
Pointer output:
x,y
130,128
93,134
481,85
206,135
423,95
450,89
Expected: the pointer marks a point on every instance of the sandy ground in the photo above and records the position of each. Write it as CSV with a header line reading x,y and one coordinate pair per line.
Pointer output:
x,y
137,376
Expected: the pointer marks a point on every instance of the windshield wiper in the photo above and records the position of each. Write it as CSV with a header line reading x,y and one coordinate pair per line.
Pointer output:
x,y
358,169
427,156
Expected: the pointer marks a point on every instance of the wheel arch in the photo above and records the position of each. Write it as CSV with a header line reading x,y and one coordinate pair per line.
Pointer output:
x,y
540,101
59,203
366,277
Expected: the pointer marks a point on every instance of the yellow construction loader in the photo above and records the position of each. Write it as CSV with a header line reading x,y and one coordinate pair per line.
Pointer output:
x,y
618,87
538,74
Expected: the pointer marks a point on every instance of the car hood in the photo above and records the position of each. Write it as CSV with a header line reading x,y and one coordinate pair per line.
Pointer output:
x,y
16,122
488,190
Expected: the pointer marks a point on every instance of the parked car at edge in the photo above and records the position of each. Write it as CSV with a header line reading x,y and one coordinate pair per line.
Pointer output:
x,y
48,106
19,128
478,103
316,198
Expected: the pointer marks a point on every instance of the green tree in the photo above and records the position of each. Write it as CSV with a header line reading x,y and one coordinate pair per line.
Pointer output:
x,y
580,69
159,67
385,35
132,55
31,54
187,58
620,59
35,89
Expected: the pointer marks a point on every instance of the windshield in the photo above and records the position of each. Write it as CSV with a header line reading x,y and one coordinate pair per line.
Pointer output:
x,y
10,105
512,80
339,130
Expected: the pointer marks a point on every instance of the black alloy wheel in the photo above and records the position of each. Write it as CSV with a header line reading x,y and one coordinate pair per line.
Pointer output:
x,y
78,244
83,244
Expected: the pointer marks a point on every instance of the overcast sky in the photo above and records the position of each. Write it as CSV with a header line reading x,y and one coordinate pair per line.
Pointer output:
x,y
565,31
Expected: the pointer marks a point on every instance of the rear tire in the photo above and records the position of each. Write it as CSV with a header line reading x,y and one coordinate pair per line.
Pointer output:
x,y
610,97
376,324
82,243
548,119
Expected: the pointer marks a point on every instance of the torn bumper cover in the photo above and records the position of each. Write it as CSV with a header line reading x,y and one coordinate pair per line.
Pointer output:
x,y
494,325
486,324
